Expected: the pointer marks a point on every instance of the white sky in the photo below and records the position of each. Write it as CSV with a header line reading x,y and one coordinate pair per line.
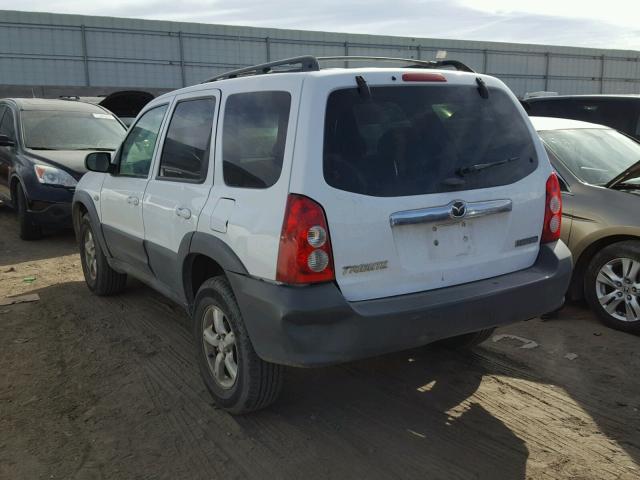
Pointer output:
x,y
587,23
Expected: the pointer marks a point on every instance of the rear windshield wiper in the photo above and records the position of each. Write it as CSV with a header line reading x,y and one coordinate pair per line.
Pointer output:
x,y
483,166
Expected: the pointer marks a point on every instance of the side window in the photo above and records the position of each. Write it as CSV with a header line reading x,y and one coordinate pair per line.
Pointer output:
x,y
253,138
137,149
186,147
7,126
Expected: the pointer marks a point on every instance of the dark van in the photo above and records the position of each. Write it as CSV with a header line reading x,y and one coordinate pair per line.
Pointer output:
x,y
621,112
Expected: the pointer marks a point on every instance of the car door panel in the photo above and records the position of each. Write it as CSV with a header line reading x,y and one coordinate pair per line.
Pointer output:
x,y
121,194
180,185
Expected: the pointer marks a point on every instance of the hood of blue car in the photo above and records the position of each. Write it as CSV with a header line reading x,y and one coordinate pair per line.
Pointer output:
x,y
71,160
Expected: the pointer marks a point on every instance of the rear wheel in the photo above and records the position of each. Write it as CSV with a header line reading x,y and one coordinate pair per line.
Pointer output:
x,y
99,276
612,285
29,229
468,340
237,378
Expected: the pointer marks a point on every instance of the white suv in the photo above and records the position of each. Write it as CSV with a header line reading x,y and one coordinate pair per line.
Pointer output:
x,y
307,216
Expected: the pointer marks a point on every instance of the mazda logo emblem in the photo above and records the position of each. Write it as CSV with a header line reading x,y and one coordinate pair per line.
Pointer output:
x,y
458,209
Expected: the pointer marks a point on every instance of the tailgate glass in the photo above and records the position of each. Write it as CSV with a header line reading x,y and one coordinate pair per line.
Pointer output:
x,y
416,140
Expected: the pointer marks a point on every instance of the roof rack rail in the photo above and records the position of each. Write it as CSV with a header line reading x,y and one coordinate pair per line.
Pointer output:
x,y
412,61
310,63
306,63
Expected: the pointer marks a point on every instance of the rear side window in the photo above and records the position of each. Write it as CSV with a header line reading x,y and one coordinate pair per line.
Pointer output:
x,y
415,140
186,147
253,138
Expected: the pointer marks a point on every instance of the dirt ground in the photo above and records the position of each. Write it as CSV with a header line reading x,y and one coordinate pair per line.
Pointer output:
x,y
102,388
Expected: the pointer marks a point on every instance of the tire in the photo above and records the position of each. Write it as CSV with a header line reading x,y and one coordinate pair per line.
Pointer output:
x,y
615,296
99,276
29,230
468,340
256,383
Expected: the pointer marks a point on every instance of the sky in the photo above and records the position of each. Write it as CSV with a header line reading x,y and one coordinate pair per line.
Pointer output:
x,y
601,24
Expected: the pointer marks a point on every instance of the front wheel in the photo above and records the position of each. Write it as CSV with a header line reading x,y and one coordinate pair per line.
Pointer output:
x,y
238,380
98,274
29,229
612,285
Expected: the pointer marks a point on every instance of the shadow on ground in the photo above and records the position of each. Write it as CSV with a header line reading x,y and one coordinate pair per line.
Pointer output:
x,y
113,390
14,250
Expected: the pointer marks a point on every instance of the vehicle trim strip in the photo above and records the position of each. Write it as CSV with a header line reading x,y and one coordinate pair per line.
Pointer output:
x,y
444,212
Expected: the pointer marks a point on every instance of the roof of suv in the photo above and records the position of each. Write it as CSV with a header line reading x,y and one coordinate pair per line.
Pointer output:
x,y
310,66
53,104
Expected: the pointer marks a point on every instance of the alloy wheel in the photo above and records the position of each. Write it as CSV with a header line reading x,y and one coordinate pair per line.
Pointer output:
x,y
90,254
618,288
219,342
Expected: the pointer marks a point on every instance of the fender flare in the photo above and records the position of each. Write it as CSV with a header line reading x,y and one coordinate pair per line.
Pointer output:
x,y
212,247
217,250
84,199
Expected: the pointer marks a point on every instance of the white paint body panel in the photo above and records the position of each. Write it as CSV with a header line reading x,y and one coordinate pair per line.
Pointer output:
x,y
254,221
359,225
162,225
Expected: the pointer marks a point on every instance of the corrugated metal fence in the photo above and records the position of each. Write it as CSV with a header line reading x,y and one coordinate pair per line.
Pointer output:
x,y
71,50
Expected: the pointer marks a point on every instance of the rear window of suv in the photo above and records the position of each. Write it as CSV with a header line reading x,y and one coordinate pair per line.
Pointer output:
x,y
418,140
253,138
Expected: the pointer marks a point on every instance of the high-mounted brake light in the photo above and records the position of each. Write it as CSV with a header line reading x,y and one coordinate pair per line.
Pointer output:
x,y
423,77
305,253
552,211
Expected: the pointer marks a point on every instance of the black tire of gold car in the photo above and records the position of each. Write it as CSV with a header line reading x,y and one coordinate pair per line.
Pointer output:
x,y
627,249
107,280
468,340
258,383
29,230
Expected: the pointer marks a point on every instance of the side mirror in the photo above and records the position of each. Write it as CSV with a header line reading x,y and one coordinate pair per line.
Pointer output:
x,y
6,141
99,162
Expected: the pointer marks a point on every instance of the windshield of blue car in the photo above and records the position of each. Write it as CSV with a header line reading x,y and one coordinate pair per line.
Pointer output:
x,y
594,155
71,130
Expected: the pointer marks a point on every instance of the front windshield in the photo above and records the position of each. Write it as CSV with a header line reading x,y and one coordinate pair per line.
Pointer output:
x,y
70,130
594,155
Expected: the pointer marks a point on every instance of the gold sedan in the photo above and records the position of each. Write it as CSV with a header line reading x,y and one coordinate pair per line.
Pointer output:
x,y
599,171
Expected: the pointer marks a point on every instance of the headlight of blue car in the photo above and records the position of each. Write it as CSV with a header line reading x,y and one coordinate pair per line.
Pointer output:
x,y
54,176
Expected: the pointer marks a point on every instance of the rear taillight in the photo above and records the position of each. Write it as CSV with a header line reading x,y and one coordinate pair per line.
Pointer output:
x,y
305,247
552,211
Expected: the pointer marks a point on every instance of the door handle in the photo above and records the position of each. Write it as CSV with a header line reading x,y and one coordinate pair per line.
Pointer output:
x,y
183,212
131,200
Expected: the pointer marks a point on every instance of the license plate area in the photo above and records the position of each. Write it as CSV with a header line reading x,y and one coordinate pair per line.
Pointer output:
x,y
450,240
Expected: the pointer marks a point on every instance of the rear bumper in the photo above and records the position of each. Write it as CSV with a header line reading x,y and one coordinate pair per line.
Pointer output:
x,y
315,325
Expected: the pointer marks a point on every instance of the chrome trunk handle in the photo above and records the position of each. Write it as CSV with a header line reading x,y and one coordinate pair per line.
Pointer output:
x,y
455,210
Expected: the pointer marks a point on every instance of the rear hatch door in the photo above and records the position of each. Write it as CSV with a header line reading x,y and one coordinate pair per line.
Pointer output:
x,y
425,184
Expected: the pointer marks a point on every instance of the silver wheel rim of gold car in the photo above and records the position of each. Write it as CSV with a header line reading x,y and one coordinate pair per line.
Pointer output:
x,y
617,288
219,342
90,255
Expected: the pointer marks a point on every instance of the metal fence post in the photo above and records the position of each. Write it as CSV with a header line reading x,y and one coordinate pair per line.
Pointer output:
x,y
546,71
267,44
346,53
419,52
485,60
85,57
181,48
602,70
